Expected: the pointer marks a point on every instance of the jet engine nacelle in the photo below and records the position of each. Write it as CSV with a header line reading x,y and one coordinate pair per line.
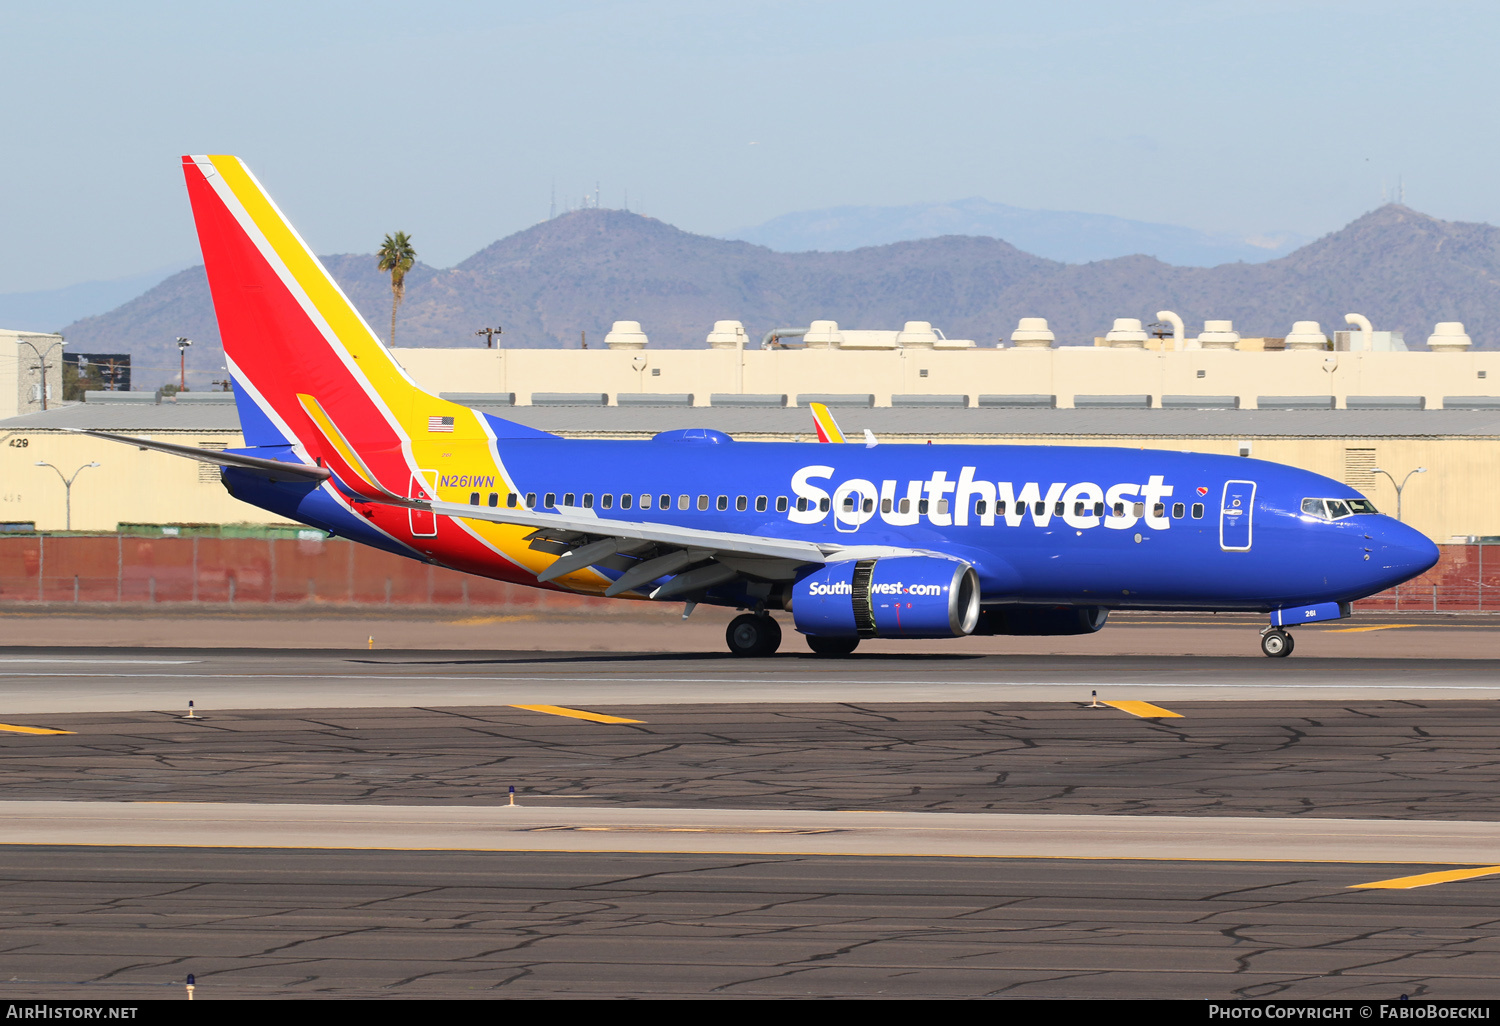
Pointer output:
x,y
1035,620
891,597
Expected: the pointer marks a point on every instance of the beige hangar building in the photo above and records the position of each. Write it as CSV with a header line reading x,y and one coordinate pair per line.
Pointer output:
x,y
1357,406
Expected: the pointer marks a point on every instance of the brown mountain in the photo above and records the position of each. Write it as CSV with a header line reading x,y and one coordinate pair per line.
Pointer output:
x,y
583,270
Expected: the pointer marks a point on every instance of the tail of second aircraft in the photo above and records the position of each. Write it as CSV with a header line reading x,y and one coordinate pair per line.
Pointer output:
x,y
309,371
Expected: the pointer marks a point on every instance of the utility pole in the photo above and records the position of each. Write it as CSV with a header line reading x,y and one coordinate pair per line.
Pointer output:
x,y
41,359
67,487
489,336
182,347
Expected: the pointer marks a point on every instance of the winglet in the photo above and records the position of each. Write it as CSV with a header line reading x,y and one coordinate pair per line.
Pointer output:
x,y
827,427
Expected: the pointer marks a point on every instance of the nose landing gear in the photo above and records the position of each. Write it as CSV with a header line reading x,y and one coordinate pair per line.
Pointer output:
x,y
1276,643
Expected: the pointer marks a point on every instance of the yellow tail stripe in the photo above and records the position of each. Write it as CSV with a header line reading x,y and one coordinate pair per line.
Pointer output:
x,y
577,714
14,729
1145,710
1406,883
336,311
336,439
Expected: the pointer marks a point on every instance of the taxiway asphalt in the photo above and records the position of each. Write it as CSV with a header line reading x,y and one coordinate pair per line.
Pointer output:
x,y
336,823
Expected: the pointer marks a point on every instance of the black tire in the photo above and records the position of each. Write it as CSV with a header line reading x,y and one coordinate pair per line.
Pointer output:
x,y
831,646
749,635
1277,644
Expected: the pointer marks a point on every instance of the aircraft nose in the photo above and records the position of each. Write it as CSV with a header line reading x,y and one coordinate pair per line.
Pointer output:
x,y
1400,553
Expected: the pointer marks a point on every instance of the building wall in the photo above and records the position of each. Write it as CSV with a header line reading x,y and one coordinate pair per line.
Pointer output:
x,y
1063,372
129,486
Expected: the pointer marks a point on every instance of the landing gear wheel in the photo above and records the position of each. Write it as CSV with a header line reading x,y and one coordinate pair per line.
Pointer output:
x,y
753,635
1277,644
831,646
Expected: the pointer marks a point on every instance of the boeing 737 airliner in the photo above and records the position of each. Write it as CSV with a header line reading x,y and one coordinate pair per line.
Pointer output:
x,y
855,541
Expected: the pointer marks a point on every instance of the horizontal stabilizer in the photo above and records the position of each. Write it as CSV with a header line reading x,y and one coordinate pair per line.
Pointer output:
x,y
271,468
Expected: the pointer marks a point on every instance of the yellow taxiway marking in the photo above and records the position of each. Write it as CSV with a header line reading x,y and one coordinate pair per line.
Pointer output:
x,y
1145,710
577,714
1406,883
1377,627
14,729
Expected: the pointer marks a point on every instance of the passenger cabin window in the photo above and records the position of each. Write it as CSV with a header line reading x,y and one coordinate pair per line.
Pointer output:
x,y
473,498
760,504
921,506
588,500
550,500
905,505
703,502
627,500
723,503
606,501
1178,511
869,505
1000,508
1159,510
1197,511
823,505
781,503
801,504
531,500
666,502
1119,509
942,507
1140,509
848,504
683,502
1038,508
1057,509
1098,509
741,504
568,498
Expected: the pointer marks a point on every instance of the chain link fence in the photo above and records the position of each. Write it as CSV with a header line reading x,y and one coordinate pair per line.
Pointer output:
x,y
134,570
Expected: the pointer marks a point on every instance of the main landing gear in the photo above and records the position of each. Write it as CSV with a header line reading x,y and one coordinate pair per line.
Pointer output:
x,y
753,634
1276,643
831,646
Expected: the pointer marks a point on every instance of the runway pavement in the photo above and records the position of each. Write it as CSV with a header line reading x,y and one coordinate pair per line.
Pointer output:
x,y
48,680
89,923
335,822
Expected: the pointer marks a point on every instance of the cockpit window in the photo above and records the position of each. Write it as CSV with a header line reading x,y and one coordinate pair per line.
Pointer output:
x,y
1336,509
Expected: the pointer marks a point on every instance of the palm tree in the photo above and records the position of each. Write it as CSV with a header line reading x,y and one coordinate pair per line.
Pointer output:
x,y
396,256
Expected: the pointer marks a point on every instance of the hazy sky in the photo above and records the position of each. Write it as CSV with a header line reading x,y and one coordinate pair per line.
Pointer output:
x,y
453,120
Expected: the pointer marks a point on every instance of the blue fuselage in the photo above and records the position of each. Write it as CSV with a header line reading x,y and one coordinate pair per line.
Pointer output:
x,y
1112,527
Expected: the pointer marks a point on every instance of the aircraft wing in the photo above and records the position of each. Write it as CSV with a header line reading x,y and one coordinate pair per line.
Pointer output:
x,y
644,552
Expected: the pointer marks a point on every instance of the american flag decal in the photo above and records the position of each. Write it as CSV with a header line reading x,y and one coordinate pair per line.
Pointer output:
x,y
440,424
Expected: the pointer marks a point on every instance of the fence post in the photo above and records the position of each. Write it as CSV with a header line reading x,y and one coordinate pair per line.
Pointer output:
x,y
195,568
1481,577
41,565
1434,598
271,547
119,566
